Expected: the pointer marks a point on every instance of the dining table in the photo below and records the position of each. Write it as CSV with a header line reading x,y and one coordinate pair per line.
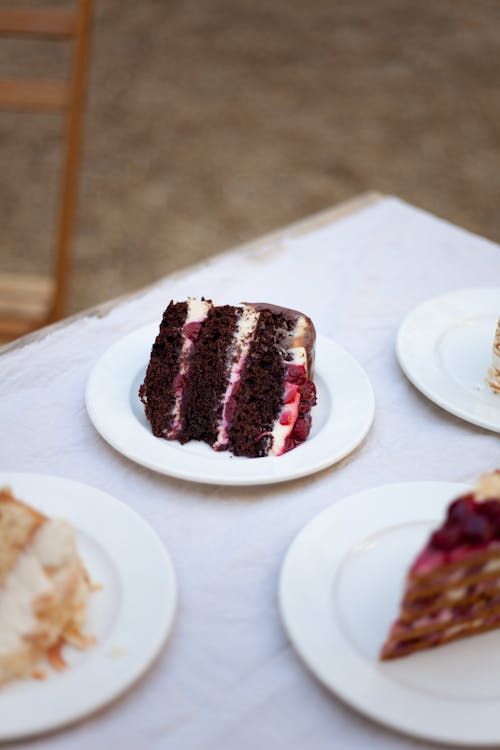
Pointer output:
x,y
228,676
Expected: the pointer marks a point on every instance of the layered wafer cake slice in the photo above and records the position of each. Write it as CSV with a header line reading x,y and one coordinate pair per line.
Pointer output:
x,y
453,587
44,589
236,377
494,371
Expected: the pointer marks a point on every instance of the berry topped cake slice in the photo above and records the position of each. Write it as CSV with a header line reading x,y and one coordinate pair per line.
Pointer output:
x,y
494,371
453,587
236,377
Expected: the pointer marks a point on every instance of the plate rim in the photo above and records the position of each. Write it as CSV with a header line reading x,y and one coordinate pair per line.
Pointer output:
x,y
358,703
165,622
421,384
219,478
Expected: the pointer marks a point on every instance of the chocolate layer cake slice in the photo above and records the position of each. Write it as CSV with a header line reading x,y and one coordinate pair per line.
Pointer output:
x,y
236,377
494,371
453,587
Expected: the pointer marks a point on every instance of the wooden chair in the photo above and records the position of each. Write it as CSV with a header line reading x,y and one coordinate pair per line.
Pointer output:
x,y
27,303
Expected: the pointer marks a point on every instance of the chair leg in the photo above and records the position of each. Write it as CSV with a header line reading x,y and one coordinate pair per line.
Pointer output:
x,y
69,186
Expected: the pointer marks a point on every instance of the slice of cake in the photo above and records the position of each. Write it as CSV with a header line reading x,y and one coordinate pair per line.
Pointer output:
x,y
453,587
235,377
44,589
494,371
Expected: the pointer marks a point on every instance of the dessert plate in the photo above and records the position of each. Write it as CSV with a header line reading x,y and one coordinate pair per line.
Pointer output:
x,y
128,618
341,419
340,588
444,347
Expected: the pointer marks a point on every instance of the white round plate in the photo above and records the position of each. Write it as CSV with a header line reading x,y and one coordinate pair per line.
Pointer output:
x,y
340,589
341,419
445,348
129,619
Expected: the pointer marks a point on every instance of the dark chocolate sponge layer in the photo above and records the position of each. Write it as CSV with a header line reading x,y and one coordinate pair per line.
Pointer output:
x,y
207,376
258,399
157,391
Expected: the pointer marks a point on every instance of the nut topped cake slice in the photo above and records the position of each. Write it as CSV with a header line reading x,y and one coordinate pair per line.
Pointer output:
x,y
44,589
452,589
494,371
236,377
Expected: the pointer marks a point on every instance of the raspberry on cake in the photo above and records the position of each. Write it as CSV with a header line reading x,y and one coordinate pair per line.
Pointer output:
x,y
453,587
494,371
44,589
235,377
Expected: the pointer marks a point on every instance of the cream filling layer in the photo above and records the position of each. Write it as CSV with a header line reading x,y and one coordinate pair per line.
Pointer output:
x,y
243,338
300,327
491,566
488,487
494,371
52,546
454,629
196,313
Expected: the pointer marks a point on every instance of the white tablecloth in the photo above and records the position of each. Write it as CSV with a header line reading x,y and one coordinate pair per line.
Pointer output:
x,y
229,678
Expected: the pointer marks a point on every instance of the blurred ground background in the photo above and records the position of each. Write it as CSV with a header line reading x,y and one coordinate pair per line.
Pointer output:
x,y
211,122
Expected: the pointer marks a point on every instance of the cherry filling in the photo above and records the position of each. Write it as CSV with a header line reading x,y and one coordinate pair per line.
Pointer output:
x,y
468,522
298,388
191,330
470,525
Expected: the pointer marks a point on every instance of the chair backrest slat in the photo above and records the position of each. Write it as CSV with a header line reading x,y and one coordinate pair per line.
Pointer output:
x,y
65,96
37,96
51,23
